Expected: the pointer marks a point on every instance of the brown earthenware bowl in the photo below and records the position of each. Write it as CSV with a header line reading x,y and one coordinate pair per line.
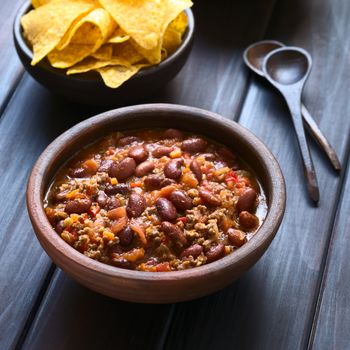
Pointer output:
x,y
156,287
88,88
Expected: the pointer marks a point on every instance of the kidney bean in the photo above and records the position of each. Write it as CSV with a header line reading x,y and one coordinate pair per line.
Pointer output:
x,y
113,203
144,168
127,140
247,201
181,200
215,253
126,236
102,199
194,145
136,205
153,182
196,169
105,165
123,169
78,172
161,151
173,134
78,206
121,262
166,209
194,250
59,228
60,196
139,153
247,220
175,233
119,188
209,156
167,182
172,169
236,237
226,153
209,198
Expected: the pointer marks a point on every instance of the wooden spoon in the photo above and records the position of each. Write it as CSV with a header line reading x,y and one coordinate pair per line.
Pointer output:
x,y
253,57
287,68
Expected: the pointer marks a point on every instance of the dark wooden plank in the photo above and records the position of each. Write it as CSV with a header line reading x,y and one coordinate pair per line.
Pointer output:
x,y
205,82
77,318
10,67
272,306
331,328
214,77
33,118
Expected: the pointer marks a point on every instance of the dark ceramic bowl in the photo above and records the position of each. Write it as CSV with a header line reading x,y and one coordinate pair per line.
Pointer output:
x,y
88,88
156,287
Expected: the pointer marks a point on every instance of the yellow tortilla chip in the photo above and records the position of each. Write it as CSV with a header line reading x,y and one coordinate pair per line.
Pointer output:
x,y
145,20
37,3
179,24
115,76
173,34
118,37
127,52
104,53
170,42
45,26
84,38
152,56
93,29
91,63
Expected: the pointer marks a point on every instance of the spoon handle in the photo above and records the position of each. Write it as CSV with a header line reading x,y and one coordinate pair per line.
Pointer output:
x,y
309,171
313,128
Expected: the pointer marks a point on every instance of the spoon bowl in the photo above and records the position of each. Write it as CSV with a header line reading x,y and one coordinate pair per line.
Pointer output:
x,y
287,69
253,57
254,54
288,66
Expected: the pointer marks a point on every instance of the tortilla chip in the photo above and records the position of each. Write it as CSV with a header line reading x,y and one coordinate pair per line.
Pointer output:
x,y
179,24
152,56
38,3
45,26
118,37
115,76
127,52
173,35
104,53
145,20
83,39
91,63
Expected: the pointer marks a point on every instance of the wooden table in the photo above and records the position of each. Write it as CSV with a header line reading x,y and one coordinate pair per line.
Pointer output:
x,y
296,297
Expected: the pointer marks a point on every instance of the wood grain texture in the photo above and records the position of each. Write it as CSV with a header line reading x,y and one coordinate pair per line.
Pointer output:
x,y
10,66
205,82
214,77
331,329
77,318
32,119
272,306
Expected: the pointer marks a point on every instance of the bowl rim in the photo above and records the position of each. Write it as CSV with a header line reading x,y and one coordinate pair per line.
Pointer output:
x,y
261,239
23,46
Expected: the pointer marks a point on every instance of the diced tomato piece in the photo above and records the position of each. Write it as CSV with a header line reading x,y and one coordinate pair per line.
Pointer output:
x,y
182,219
231,176
140,232
163,267
94,210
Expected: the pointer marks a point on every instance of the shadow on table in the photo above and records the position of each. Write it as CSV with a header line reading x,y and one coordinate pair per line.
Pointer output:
x,y
73,317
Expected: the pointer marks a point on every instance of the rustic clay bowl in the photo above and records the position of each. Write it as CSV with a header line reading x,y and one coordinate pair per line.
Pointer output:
x,y
88,88
156,287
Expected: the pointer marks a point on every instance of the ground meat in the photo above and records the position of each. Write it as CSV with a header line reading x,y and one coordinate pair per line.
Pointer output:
x,y
145,201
